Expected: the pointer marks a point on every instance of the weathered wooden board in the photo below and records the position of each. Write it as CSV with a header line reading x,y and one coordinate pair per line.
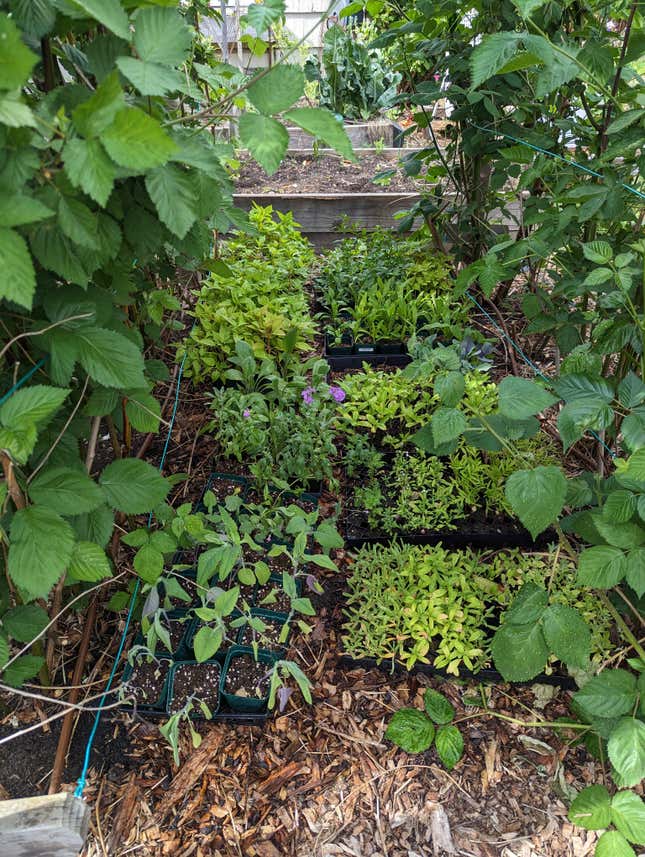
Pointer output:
x,y
363,134
45,826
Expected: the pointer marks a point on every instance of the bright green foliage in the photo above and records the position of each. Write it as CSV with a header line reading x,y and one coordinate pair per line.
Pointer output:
x,y
434,606
377,287
594,809
355,81
260,298
411,730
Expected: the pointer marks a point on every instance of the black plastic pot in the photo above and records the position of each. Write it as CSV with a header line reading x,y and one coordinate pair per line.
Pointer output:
x,y
267,616
197,712
337,349
363,348
355,361
391,347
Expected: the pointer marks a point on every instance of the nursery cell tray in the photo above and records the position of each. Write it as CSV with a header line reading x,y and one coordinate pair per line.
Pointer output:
x,y
488,676
470,534
355,361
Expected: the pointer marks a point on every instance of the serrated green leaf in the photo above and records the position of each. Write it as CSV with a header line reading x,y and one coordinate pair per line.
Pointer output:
x,y
89,563
265,138
107,12
32,405
98,112
447,425
599,252
437,707
450,746
633,429
20,671
35,17
491,55
173,194
148,564
14,113
70,491
410,730
323,125
519,651
612,843
143,410
17,274
16,60
57,253
628,815
133,486
78,222
18,209
520,398
450,387
528,605
601,567
537,496
88,167
150,78
161,36
41,545
626,749
137,141
591,809
635,574
277,90
567,635
579,388
24,623
109,358
609,694
619,507
96,526
262,15
631,391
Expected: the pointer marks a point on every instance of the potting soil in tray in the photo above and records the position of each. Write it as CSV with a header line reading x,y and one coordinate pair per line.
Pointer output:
x,y
267,639
147,682
226,486
247,678
279,603
475,531
199,681
277,564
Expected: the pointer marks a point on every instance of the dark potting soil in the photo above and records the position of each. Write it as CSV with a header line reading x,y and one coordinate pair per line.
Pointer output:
x,y
223,488
270,596
267,639
327,173
199,681
176,629
257,498
147,680
277,564
247,677
191,589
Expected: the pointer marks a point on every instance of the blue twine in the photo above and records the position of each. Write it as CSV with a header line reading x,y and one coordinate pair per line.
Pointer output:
x,y
555,155
23,380
528,361
97,718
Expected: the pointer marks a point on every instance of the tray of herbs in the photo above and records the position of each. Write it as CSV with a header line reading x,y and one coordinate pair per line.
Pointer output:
x,y
440,610
377,290
278,427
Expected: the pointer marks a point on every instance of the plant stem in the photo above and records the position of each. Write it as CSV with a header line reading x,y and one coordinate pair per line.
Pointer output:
x,y
622,625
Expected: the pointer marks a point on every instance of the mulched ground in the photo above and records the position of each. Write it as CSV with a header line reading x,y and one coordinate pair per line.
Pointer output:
x,y
318,780
327,173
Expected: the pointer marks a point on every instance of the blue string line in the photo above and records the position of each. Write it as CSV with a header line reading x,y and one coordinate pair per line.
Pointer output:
x,y
23,380
528,361
555,155
97,718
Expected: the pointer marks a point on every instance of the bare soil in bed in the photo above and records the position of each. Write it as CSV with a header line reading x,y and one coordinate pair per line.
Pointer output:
x,y
326,173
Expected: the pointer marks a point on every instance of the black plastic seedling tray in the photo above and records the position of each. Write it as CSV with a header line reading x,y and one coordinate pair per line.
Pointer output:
x,y
487,676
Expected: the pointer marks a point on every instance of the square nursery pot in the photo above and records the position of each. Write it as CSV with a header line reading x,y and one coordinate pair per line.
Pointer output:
x,y
338,349
148,681
282,605
201,680
225,485
188,582
180,623
260,667
275,622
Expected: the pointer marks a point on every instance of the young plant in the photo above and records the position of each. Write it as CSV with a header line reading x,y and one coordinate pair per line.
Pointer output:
x,y
416,731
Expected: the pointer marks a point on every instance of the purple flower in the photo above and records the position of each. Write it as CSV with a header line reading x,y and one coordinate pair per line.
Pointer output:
x,y
338,394
246,413
308,395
